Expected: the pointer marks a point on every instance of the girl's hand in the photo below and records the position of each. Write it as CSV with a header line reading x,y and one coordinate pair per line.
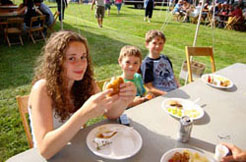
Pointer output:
x,y
98,104
125,97
127,93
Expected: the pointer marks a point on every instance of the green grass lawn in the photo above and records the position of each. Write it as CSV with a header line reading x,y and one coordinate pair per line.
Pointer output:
x,y
17,62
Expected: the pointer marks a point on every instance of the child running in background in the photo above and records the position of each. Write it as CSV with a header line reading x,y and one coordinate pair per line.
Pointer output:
x,y
130,60
99,13
107,5
118,4
157,69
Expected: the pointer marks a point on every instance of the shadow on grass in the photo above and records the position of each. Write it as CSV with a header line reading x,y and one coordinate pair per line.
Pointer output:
x,y
156,9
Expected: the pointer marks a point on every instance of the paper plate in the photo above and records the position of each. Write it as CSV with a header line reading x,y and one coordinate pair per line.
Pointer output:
x,y
217,81
124,144
188,108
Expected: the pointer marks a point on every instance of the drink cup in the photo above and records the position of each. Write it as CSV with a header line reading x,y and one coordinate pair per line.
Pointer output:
x,y
220,152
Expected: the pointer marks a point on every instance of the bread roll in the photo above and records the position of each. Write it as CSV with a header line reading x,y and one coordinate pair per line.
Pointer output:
x,y
115,84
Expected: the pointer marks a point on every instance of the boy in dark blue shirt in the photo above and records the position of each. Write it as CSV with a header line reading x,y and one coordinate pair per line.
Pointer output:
x,y
157,69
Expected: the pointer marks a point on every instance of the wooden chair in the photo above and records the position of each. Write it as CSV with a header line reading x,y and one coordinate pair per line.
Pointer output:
x,y
198,51
177,16
36,29
56,15
194,19
211,22
231,22
22,102
14,26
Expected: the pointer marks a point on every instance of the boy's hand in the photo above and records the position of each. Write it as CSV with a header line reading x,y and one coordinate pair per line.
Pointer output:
x,y
154,90
138,100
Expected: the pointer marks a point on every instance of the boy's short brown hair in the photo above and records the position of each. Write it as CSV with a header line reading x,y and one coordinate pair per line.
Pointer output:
x,y
130,51
150,35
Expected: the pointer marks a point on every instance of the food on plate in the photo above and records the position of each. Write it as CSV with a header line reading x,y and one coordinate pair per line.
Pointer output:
x,y
187,156
225,83
180,157
211,80
101,143
218,81
175,103
192,113
115,84
175,111
103,137
105,133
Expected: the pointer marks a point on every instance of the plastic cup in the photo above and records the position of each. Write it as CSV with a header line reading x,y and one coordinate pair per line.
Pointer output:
x,y
220,152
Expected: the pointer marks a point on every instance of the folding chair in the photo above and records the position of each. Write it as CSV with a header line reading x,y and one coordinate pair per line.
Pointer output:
x,y
14,26
56,15
194,19
198,51
33,29
211,22
22,102
231,22
177,16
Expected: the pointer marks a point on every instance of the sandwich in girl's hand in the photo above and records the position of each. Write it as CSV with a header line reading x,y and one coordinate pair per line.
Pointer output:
x,y
115,85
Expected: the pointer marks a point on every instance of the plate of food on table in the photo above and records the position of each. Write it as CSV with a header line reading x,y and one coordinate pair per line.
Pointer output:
x,y
114,141
185,155
217,81
178,107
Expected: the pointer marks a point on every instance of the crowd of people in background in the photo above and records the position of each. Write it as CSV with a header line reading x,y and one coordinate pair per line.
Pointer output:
x,y
29,9
222,11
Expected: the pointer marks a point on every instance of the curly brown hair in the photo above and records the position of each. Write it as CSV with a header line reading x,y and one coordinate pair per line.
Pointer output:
x,y
150,35
50,68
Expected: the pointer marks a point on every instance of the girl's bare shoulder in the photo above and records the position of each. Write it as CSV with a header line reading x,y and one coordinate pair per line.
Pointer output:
x,y
39,93
40,85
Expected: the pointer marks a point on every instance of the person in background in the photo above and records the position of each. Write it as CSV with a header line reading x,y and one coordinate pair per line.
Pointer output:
x,y
244,13
20,11
237,153
193,12
177,7
6,3
65,95
118,4
149,6
100,10
185,7
130,60
107,6
45,11
238,13
157,70
31,11
61,9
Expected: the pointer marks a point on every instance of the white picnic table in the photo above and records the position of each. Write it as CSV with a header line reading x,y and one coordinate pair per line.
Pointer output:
x,y
225,113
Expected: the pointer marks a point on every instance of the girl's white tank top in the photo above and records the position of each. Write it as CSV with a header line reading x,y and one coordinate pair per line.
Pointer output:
x,y
56,124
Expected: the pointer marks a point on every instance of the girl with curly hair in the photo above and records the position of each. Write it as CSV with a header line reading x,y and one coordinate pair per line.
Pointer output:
x,y
65,95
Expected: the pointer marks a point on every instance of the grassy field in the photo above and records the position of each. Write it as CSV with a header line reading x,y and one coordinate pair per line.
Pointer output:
x,y
17,63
